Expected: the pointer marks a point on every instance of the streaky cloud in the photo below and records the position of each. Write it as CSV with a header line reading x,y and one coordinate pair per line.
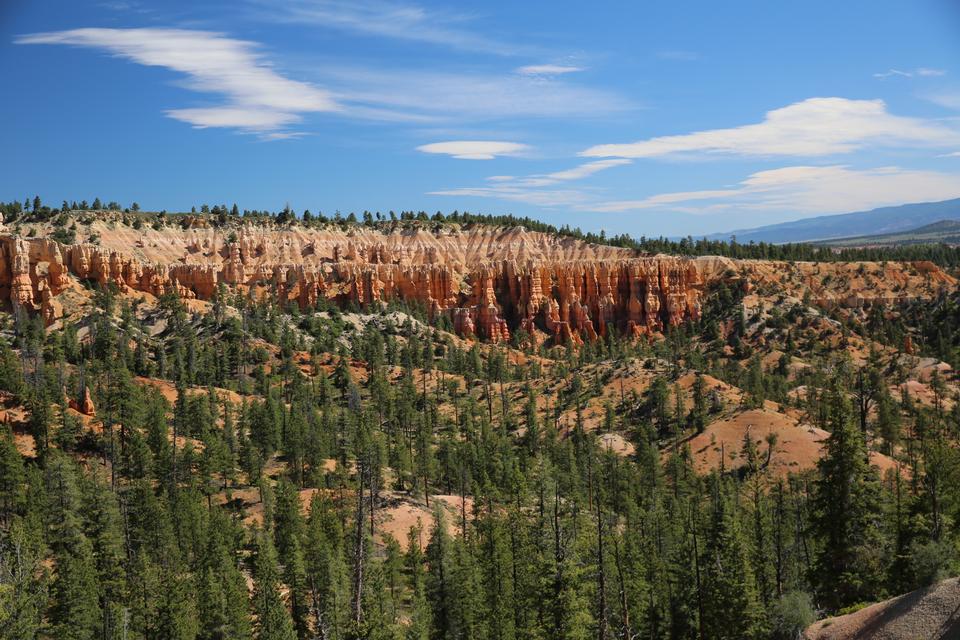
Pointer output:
x,y
386,19
547,69
257,98
811,189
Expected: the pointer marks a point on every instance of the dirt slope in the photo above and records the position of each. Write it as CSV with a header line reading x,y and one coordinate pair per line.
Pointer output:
x,y
932,613
798,446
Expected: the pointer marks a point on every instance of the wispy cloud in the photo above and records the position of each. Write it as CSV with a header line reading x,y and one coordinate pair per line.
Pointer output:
x,y
813,127
796,190
805,189
530,189
387,19
119,5
547,69
445,96
538,197
474,149
578,172
893,73
258,99
948,99
925,72
679,55
584,170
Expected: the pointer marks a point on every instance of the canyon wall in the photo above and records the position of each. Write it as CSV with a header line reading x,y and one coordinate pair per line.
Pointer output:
x,y
491,282
549,289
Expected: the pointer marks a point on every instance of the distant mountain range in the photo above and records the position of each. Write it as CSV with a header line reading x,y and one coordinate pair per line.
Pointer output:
x,y
944,231
882,221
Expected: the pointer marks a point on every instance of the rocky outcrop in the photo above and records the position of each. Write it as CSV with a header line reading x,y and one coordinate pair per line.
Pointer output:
x,y
564,301
84,404
491,282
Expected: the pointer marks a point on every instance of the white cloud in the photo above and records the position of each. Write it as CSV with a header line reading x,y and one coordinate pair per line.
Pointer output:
x,y
576,173
948,99
796,190
258,99
537,197
398,94
806,190
385,19
241,118
547,70
474,149
813,127
891,73
529,189
925,72
586,169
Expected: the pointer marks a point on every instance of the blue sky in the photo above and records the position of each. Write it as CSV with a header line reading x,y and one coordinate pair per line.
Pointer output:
x,y
646,117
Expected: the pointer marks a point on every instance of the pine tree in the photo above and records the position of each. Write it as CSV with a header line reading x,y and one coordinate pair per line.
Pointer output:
x,y
40,422
76,612
12,477
222,599
106,534
439,584
730,607
288,532
497,580
698,413
23,581
846,518
273,619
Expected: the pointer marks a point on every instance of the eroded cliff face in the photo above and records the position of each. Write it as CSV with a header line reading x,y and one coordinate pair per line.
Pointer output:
x,y
491,282
549,289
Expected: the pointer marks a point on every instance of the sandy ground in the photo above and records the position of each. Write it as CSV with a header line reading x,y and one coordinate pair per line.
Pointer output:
x,y
798,446
928,614
617,443
403,512
169,390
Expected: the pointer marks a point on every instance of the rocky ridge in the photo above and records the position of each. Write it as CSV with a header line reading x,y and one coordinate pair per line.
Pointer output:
x,y
491,282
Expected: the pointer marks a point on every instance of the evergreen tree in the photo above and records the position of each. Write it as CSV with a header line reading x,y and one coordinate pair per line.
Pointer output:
x,y
273,619
730,605
849,564
23,582
75,612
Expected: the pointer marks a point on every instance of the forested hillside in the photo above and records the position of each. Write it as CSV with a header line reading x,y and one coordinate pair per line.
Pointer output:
x,y
245,466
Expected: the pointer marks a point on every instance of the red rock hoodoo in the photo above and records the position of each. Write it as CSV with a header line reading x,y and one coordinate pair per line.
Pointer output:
x,y
492,282
562,292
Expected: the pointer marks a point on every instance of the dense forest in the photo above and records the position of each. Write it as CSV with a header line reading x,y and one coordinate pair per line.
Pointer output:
x,y
128,528
174,469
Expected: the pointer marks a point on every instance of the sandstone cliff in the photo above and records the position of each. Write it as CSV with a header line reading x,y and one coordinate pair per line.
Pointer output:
x,y
491,282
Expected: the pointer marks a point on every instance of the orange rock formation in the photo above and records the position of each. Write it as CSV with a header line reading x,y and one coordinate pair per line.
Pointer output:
x,y
491,282
531,289
84,405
